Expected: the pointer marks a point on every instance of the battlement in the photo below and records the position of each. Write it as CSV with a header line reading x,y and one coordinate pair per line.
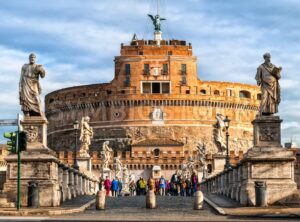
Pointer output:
x,y
146,160
150,47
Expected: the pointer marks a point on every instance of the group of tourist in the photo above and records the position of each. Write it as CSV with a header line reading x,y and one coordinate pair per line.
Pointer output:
x,y
177,186
112,188
174,187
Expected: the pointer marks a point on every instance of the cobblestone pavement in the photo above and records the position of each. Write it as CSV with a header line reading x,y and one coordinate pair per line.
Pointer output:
x,y
169,209
133,209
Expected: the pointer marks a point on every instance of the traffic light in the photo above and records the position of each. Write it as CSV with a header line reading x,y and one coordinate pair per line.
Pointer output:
x,y
22,141
12,141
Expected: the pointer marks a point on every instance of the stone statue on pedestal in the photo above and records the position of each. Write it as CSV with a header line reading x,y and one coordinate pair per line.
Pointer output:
x,y
156,21
267,78
118,168
30,88
86,134
219,134
106,154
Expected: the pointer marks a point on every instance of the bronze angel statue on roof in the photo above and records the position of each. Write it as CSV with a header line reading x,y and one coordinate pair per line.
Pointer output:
x,y
156,21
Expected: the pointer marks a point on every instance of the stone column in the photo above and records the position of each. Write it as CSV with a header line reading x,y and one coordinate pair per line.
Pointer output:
x,y
222,183
80,184
66,189
72,183
234,183
61,181
76,182
239,180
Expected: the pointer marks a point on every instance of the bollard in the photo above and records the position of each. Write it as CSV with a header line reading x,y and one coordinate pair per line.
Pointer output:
x,y
100,200
198,202
150,200
260,194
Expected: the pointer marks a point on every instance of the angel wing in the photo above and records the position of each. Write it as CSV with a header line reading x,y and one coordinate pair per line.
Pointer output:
x,y
151,16
161,19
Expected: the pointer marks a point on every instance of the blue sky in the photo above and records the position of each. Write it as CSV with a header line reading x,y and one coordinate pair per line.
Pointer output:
x,y
77,40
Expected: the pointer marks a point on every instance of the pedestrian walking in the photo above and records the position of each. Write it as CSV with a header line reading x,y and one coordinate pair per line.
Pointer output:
x,y
143,186
115,187
132,188
107,186
120,187
162,186
138,189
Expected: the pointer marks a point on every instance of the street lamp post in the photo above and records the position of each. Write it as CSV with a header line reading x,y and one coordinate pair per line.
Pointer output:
x,y
76,127
227,163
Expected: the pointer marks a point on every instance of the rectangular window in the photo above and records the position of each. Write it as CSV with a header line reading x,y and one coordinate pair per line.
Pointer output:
x,y
146,87
127,69
155,87
165,69
183,69
146,69
229,92
165,87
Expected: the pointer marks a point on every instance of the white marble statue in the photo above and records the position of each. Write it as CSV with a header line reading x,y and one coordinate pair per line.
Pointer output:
x,y
220,136
30,88
157,114
86,134
118,168
267,78
126,178
201,153
106,154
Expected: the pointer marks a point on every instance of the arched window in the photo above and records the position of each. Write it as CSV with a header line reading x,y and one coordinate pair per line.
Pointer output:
x,y
203,92
258,96
217,93
156,152
245,94
209,168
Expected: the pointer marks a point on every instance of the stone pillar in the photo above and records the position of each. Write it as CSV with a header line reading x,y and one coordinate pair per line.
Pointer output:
x,y
61,181
84,188
72,183
234,183
80,175
66,189
223,183
268,162
239,181
76,182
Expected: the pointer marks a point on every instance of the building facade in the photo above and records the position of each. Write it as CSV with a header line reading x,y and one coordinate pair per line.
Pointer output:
x,y
155,97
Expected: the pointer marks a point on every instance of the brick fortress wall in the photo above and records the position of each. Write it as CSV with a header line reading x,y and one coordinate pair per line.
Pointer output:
x,y
120,111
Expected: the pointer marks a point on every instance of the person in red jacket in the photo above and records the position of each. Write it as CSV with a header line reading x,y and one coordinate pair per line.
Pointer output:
x,y
107,185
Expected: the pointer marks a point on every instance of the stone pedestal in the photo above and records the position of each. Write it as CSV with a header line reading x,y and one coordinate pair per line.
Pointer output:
x,y
85,164
106,172
37,167
267,161
38,164
218,163
36,129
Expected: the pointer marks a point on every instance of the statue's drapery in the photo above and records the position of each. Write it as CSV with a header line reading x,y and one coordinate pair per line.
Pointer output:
x,y
267,77
30,89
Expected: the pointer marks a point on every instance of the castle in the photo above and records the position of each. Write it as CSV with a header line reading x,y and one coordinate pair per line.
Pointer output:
x,y
155,111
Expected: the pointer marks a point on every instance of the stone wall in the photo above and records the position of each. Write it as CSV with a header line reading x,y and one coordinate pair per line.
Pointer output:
x,y
121,113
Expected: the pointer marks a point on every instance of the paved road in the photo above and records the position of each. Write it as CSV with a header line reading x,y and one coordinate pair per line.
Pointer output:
x,y
133,209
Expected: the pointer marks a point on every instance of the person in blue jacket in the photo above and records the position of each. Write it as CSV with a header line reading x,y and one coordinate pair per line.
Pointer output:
x,y
115,187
